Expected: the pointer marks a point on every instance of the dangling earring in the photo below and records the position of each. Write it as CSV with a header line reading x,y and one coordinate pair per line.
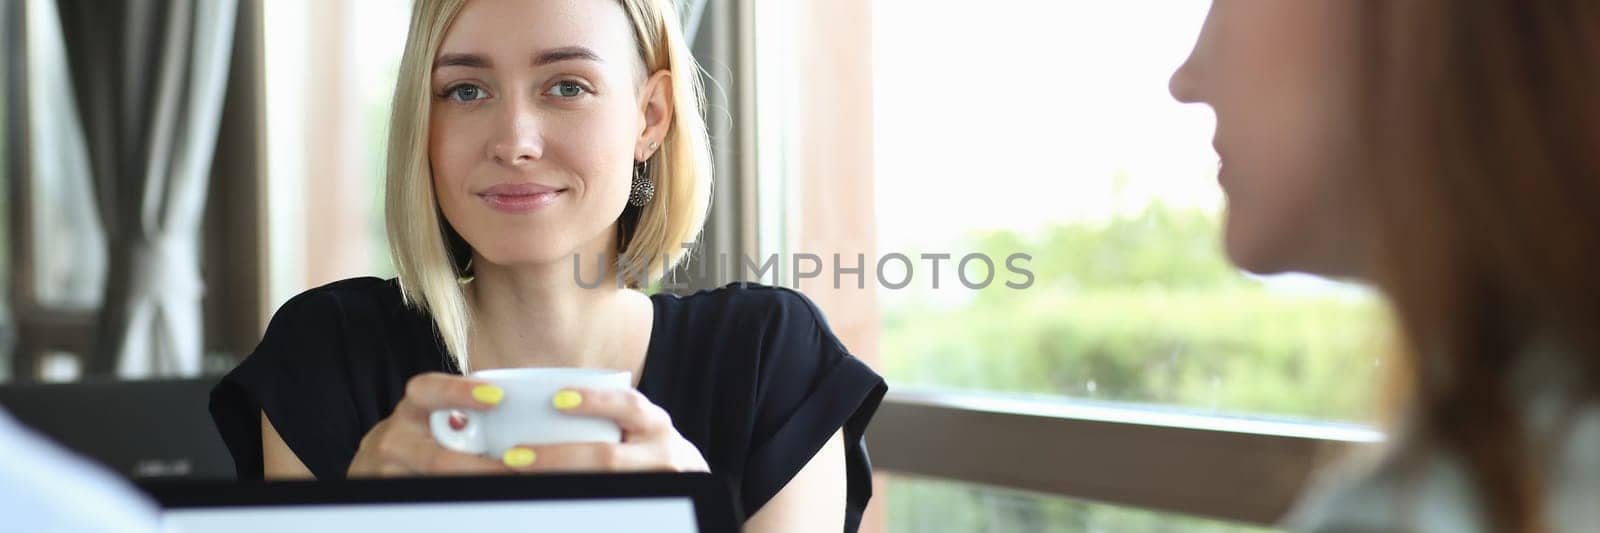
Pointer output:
x,y
466,276
643,188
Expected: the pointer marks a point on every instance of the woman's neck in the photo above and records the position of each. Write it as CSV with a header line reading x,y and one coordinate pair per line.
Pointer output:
x,y
539,316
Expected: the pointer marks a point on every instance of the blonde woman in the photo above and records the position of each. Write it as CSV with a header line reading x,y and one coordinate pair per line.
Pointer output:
x,y
531,138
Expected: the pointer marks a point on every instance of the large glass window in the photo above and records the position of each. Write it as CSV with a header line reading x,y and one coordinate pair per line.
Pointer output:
x,y
1045,128
1038,139
331,72
380,37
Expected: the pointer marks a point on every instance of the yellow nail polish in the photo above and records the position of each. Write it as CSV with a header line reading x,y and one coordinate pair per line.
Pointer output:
x,y
488,394
519,457
567,399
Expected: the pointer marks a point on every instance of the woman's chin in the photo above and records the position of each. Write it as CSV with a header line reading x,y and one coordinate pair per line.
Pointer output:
x,y
525,259
1248,250
1266,254
1254,265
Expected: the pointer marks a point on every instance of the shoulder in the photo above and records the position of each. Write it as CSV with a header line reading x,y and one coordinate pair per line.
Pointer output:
x,y
347,296
764,360
332,310
1407,487
332,361
760,313
361,321
358,315
769,345
1574,494
744,296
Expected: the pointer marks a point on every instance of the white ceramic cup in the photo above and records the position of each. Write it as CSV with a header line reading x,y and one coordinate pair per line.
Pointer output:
x,y
526,414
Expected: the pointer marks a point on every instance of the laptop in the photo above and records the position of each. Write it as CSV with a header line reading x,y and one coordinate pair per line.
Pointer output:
x,y
141,429
600,503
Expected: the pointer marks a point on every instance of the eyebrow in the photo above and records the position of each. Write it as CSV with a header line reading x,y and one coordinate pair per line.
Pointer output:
x,y
554,55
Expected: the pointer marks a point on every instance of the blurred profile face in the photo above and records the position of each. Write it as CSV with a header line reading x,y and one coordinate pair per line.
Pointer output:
x,y
1281,78
538,116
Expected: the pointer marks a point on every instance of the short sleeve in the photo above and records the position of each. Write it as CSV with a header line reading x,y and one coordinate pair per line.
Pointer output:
x,y
297,375
809,388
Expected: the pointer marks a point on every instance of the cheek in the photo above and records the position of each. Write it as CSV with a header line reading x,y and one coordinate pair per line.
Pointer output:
x,y
1285,132
455,144
598,148
454,147
1269,220
1285,191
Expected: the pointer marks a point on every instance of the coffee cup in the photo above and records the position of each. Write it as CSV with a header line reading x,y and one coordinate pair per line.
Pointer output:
x,y
526,413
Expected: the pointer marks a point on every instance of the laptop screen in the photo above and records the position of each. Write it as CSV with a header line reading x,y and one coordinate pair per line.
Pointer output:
x,y
670,503
664,515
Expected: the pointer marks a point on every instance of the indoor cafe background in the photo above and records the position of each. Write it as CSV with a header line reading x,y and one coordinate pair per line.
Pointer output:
x,y
176,169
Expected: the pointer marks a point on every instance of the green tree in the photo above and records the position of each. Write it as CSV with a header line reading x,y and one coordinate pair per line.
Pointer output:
x,y
1141,308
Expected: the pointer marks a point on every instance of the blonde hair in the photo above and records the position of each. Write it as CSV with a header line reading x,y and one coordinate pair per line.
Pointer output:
x,y
420,240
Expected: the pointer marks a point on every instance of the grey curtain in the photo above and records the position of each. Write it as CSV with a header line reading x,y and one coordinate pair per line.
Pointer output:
x,y
149,78
67,251
693,11
10,56
713,30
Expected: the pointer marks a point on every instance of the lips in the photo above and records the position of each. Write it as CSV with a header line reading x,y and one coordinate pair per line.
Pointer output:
x,y
520,197
1221,161
518,189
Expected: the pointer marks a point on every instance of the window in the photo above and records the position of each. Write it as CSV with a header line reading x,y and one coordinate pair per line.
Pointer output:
x,y
60,242
331,73
1045,128
1037,141
380,38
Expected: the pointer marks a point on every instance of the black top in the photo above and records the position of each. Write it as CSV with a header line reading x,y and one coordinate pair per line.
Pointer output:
x,y
752,375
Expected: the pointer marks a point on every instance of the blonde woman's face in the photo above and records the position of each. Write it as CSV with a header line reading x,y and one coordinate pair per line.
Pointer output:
x,y
536,122
1280,76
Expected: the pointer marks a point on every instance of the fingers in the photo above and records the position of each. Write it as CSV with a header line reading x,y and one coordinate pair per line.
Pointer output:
x,y
388,470
406,454
586,457
409,446
446,462
633,413
649,442
436,391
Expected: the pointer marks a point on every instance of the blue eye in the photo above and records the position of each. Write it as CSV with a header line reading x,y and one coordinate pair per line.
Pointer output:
x,y
567,89
465,92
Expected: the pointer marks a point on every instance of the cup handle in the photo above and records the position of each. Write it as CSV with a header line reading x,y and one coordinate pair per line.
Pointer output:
x,y
469,439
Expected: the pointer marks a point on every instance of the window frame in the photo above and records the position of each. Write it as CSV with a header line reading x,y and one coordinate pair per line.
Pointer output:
x,y
1230,468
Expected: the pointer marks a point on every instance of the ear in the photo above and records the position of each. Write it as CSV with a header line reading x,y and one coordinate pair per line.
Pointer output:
x,y
655,108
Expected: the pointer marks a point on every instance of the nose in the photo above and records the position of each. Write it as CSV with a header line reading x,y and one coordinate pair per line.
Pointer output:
x,y
518,140
1184,85
1188,83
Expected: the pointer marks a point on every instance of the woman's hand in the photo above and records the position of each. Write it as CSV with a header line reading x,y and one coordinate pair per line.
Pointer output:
x,y
403,445
649,442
